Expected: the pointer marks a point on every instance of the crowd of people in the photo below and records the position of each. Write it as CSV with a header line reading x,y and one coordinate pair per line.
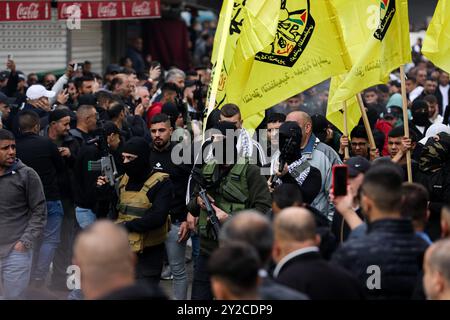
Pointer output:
x,y
88,176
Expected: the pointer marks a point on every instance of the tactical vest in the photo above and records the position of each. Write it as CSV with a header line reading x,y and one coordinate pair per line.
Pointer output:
x,y
231,195
135,204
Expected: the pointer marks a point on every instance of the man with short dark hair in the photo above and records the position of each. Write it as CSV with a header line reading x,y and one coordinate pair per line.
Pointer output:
x,y
169,92
161,161
415,206
5,109
234,272
274,121
85,84
24,215
86,124
390,245
433,109
58,132
247,147
41,154
359,143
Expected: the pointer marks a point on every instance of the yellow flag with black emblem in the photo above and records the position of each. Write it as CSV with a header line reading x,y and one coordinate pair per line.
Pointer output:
x,y
385,49
307,48
359,20
245,27
436,45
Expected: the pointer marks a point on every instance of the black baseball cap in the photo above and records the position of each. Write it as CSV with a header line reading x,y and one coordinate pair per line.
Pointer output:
x,y
5,99
357,165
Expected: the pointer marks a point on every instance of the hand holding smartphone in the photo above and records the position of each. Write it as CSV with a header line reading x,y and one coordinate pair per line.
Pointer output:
x,y
339,180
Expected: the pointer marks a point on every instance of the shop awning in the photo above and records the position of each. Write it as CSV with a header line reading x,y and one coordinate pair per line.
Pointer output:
x,y
25,10
109,10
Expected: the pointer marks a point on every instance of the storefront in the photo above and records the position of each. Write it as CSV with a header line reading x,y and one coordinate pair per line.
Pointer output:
x,y
45,35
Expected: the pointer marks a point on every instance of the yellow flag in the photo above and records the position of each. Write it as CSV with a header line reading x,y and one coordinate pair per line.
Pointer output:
x,y
385,49
307,48
436,45
245,27
359,19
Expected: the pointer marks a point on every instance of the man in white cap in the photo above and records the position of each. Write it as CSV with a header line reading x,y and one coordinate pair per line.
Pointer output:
x,y
38,101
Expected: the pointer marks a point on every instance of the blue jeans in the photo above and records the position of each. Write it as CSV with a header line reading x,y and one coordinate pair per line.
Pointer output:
x,y
176,255
15,271
85,217
46,246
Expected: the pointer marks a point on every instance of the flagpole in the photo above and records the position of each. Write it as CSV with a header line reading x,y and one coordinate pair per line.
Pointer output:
x,y
405,120
346,151
219,62
366,122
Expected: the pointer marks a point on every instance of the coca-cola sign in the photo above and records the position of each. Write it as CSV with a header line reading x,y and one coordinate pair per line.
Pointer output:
x,y
140,9
111,10
107,10
25,10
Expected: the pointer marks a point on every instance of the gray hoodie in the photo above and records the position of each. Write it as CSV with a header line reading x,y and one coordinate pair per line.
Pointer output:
x,y
23,210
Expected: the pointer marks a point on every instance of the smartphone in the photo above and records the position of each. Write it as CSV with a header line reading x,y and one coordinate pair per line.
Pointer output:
x,y
340,175
138,101
10,57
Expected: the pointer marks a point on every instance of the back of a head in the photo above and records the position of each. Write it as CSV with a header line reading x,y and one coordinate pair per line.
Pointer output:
x,y
250,227
115,109
295,225
28,120
83,112
287,195
103,253
383,184
439,259
415,202
236,266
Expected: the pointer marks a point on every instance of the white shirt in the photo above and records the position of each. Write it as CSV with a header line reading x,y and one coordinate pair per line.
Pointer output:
x,y
415,93
438,119
444,92
291,256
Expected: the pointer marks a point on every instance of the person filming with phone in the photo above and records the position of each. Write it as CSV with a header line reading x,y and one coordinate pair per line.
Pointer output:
x,y
292,166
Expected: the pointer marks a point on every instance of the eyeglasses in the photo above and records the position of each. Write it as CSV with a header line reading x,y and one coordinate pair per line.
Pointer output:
x,y
359,144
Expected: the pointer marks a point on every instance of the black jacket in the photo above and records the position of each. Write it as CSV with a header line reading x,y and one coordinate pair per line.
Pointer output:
x,y
391,245
160,161
440,99
42,155
310,274
66,179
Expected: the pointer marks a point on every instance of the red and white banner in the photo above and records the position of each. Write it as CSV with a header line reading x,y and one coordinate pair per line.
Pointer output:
x,y
109,10
25,10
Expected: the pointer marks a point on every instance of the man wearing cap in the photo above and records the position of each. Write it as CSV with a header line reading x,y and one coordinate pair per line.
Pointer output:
x,y
58,132
5,109
43,156
38,101
349,212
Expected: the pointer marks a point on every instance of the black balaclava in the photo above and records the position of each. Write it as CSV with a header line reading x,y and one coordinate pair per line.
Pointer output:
x,y
139,168
228,143
419,112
